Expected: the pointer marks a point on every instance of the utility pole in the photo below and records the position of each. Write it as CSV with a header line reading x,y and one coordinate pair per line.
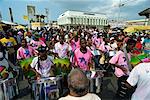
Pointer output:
x,y
119,6
11,15
0,16
47,14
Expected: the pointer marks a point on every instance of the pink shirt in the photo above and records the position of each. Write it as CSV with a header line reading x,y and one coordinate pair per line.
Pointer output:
x,y
104,48
75,45
23,53
98,42
36,44
120,59
82,60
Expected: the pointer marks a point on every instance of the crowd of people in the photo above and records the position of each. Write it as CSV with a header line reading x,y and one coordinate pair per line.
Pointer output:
x,y
87,50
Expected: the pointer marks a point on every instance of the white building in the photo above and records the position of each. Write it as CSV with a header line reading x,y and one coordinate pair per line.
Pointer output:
x,y
84,19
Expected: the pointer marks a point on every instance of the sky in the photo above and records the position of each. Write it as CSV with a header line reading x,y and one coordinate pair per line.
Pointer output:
x,y
129,11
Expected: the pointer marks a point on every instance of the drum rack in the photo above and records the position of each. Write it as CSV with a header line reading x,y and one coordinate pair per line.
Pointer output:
x,y
49,85
96,81
8,85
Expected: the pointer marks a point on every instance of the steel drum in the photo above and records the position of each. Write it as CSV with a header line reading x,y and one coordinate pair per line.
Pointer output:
x,y
25,63
62,66
8,86
138,59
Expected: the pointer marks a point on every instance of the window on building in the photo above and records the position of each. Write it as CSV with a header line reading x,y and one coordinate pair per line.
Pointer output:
x,y
74,20
84,21
99,21
106,22
88,21
77,21
102,22
93,21
81,20
71,20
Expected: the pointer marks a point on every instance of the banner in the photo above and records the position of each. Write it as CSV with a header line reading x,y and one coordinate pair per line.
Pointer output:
x,y
31,10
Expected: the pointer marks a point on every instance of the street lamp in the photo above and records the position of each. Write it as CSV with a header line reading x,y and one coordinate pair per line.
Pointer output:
x,y
120,5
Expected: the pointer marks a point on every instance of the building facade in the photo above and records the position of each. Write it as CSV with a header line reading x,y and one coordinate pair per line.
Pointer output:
x,y
84,19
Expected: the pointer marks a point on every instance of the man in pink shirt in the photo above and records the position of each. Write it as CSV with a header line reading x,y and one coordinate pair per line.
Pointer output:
x,y
25,51
83,57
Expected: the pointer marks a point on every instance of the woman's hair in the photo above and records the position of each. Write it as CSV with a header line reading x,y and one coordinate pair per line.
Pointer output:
x,y
24,40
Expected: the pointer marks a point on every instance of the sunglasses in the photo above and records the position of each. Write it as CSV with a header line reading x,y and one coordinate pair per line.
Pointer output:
x,y
42,49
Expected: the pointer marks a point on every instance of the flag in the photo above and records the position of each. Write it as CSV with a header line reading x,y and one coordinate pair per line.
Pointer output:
x,y
25,17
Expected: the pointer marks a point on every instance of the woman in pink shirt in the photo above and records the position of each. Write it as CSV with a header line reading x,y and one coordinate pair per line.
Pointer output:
x,y
25,51
37,42
75,43
121,63
82,56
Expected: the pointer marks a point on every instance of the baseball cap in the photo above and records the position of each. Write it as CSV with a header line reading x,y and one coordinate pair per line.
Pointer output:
x,y
42,48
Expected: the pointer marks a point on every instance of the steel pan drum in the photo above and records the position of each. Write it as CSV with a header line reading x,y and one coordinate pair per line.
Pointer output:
x,y
138,59
62,66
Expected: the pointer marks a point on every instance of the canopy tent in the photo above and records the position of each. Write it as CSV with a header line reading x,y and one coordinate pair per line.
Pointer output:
x,y
132,29
19,27
8,23
129,30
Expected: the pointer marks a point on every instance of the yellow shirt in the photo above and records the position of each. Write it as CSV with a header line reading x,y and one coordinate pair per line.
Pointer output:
x,y
8,42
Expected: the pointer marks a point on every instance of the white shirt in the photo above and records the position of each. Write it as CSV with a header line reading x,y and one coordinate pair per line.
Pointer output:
x,y
62,49
45,66
88,96
140,75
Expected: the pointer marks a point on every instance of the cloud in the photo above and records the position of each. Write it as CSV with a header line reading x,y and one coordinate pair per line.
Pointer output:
x,y
112,8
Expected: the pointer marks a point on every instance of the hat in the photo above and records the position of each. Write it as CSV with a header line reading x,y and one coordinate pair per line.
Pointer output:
x,y
42,48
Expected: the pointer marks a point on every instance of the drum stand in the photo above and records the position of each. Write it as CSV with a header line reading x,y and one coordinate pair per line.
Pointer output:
x,y
8,87
48,86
